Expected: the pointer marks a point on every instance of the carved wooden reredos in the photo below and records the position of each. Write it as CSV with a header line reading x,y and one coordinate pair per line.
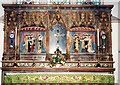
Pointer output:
x,y
76,24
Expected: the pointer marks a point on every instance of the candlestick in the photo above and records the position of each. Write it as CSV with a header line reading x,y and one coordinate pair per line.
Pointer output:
x,y
98,37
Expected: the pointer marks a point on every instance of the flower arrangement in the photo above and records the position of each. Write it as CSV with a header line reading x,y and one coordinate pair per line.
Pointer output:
x,y
57,60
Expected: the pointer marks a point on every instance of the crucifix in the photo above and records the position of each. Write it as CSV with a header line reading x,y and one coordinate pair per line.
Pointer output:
x,y
57,35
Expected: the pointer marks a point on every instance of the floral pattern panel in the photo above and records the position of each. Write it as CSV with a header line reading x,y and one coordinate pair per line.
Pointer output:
x,y
59,78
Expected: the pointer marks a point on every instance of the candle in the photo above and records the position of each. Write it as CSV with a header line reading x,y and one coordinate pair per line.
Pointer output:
x,y
20,2
98,37
102,2
15,1
15,36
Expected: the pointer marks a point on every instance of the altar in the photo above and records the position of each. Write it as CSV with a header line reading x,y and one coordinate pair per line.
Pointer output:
x,y
70,43
59,77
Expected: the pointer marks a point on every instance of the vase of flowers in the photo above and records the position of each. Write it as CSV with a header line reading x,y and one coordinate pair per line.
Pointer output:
x,y
57,61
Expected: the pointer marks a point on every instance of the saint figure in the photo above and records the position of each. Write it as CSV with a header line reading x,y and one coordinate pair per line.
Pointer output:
x,y
39,39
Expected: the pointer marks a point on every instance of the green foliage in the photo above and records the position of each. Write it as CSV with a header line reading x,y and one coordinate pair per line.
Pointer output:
x,y
57,59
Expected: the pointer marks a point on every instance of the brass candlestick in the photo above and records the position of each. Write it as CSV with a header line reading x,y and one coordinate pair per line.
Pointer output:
x,y
98,57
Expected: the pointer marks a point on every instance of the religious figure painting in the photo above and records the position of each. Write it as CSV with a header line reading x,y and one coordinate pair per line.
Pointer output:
x,y
57,38
32,42
83,42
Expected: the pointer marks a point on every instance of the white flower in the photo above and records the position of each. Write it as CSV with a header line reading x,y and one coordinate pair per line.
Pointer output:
x,y
62,62
54,56
54,60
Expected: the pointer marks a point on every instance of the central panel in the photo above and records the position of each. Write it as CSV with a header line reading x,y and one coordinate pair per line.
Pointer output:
x,y
57,39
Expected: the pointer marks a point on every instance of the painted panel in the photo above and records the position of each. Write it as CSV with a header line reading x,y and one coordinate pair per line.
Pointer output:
x,y
32,42
83,42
